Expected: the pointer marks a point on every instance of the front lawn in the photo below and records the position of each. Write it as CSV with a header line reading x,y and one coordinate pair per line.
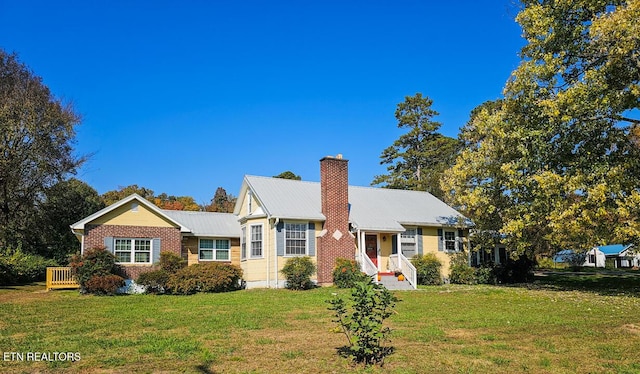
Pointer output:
x,y
440,329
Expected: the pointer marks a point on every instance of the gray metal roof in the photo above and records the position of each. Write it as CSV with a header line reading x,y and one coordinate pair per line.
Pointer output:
x,y
286,198
374,209
207,223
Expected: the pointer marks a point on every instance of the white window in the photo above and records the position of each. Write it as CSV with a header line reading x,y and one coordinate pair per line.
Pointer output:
x,y
243,243
408,241
256,241
295,242
214,249
132,251
450,241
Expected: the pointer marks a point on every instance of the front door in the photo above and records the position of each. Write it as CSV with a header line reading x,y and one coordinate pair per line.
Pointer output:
x,y
371,246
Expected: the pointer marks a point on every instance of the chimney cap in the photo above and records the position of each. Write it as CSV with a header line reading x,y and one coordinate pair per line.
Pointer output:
x,y
336,157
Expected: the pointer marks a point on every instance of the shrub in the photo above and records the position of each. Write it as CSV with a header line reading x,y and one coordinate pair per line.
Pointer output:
x,y
206,277
347,272
104,284
515,271
427,269
154,281
95,262
17,267
485,275
171,262
461,272
298,271
363,326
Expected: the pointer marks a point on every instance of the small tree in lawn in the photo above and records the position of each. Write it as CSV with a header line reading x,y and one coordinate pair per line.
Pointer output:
x,y
363,325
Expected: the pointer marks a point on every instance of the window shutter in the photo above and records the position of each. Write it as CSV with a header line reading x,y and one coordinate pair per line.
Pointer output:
x,y
108,243
311,239
155,250
419,239
394,244
280,238
459,239
440,240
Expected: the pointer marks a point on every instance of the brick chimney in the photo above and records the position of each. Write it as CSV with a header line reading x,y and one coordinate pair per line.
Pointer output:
x,y
337,241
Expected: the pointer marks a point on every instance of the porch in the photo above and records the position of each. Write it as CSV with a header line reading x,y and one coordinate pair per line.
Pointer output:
x,y
380,258
60,277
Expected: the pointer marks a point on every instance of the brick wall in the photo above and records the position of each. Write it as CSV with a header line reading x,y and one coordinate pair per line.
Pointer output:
x,y
337,241
171,240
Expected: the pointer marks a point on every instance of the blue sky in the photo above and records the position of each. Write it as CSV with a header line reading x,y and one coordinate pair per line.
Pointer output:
x,y
183,97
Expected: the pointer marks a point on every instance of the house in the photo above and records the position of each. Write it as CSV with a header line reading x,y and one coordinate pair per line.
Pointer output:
x,y
276,219
621,255
136,231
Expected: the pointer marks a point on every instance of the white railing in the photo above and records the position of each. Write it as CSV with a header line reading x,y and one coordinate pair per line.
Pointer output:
x,y
368,267
401,263
408,270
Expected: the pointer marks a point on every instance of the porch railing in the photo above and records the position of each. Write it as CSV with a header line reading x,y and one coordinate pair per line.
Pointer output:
x,y
60,277
400,262
368,267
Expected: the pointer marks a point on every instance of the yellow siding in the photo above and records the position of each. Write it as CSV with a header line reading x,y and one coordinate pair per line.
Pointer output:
x,y
385,252
245,206
430,240
261,269
190,250
125,216
255,269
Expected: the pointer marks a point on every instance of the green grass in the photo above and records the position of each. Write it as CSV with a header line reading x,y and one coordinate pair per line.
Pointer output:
x,y
559,324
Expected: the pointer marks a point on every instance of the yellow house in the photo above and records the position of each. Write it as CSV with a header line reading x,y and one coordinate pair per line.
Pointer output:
x,y
277,219
136,231
283,218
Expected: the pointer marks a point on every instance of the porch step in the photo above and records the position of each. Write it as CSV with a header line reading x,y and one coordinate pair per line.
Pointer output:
x,y
391,282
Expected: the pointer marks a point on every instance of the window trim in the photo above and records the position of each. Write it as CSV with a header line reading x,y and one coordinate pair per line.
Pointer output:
x,y
454,240
132,251
214,250
243,243
251,241
413,239
306,238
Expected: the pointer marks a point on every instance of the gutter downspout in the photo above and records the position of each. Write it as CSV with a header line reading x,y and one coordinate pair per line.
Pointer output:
x,y
276,221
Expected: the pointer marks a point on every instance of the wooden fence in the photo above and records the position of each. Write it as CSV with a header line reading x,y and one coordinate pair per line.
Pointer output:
x,y
60,277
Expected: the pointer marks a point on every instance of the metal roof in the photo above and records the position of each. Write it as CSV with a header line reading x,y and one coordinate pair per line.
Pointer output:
x,y
373,209
612,249
207,223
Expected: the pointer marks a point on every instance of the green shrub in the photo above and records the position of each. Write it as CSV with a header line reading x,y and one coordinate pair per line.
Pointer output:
x,y
205,277
427,269
95,262
485,275
18,267
171,262
515,271
460,271
104,284
298,272
347,272
363,326
154,281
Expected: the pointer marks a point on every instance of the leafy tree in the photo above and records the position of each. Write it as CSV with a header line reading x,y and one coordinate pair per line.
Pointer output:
x,y
113,196
164,201
36,138
417,160
556,164
288,175
221,202
65,203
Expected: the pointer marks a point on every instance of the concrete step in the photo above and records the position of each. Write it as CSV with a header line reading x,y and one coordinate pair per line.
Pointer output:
x,y
391,282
